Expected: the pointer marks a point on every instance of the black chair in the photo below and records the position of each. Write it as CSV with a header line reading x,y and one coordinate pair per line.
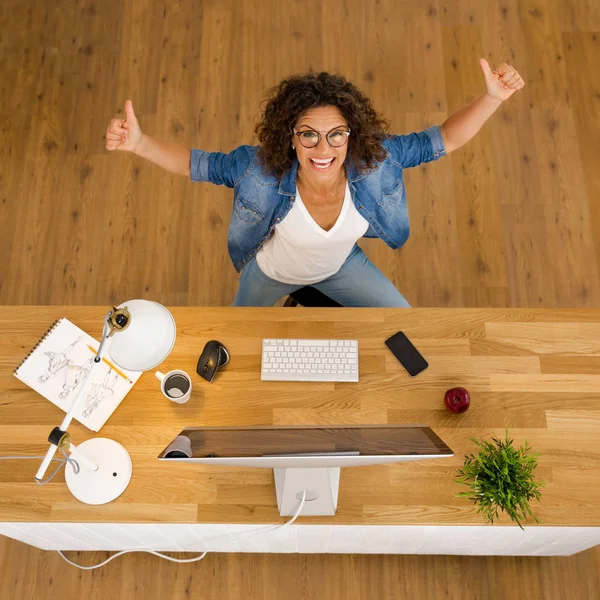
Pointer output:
x,y
311,297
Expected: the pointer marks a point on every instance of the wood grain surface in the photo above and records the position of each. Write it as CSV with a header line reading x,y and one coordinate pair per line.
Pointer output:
x,y
509,220
533,371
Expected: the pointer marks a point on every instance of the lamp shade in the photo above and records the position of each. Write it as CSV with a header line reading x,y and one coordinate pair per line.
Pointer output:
x,y
148,339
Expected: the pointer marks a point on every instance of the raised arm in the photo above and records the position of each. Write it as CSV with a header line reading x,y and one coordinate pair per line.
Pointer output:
x,y
462,125
126,134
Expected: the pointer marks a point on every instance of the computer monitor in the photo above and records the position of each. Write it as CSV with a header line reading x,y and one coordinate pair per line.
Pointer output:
x,y
306,458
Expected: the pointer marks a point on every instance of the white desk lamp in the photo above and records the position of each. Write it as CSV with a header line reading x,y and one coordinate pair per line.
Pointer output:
x,y
144,336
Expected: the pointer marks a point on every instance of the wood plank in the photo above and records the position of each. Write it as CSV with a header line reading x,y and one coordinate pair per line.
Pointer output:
x,y
582,51
552,404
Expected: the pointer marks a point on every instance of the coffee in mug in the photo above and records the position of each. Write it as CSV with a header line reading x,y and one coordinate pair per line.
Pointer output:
x,y
175,385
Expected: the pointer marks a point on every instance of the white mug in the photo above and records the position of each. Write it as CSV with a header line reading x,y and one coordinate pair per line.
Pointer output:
x,y
175,385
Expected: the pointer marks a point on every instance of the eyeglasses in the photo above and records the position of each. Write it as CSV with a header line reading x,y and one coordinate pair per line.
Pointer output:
x,y
311,138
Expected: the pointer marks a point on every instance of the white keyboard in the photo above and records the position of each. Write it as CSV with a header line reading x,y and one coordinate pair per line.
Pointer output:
x,y
309,360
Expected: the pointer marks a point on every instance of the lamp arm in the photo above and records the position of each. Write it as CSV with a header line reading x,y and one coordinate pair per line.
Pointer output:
x,y
106,334
81,393
85,384
46,462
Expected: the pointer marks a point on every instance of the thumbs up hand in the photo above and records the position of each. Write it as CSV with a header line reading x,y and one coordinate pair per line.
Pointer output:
x,y
124,134
503,82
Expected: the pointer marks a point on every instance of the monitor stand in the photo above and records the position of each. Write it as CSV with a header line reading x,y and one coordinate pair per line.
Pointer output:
x,y
321,485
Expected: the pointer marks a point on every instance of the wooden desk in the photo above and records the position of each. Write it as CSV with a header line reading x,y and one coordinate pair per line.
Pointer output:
x,y
535,372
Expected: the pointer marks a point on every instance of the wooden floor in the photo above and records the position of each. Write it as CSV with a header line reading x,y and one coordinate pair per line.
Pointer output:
x,y
511,219
32,574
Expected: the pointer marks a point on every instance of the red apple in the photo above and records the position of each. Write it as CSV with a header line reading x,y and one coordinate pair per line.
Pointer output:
x,y
457,400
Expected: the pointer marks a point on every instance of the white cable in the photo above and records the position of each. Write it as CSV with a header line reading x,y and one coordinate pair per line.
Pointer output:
x,y
266,529
243,535
197,558
64,461
176,560
302,501
270,528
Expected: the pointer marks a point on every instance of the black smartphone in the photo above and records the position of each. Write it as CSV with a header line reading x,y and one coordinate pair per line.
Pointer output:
x,y
410,358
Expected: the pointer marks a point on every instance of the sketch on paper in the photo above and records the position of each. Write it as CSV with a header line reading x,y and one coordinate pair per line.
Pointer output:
x,y
59,364
99,392
57,361
75,375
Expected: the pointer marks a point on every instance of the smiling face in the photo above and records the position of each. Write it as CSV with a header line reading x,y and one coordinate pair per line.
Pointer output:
x,y
323,163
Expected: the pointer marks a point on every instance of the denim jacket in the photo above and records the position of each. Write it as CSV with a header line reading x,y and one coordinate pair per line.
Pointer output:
x,y
261,201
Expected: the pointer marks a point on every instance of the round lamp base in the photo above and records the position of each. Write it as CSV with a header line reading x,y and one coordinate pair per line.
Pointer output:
x,y
109,481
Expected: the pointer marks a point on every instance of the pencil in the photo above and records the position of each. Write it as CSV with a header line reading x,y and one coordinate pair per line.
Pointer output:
x,y
113,367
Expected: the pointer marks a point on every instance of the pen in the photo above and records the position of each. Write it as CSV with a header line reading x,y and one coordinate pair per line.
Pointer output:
x,y
113,367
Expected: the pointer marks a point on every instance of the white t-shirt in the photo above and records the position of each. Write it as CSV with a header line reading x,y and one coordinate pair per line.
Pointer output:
x,y
300,251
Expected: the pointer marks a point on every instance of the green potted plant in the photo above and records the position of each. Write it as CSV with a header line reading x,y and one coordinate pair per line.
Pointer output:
x,y
501,478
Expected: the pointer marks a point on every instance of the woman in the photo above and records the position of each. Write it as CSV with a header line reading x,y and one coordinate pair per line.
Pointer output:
x,y
326,173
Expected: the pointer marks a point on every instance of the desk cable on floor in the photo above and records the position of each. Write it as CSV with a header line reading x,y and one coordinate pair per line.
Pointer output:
x,y
260,530
242,536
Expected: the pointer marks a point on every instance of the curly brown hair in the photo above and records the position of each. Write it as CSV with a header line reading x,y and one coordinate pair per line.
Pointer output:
x,y
290,99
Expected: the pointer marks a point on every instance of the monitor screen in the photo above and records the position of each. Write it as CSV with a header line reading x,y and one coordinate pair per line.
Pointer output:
x,y
255,442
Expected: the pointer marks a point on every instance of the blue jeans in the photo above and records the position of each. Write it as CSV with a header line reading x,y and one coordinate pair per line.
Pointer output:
x,y
358,283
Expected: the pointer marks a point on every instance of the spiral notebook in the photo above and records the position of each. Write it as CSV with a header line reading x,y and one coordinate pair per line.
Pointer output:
x,y
58,364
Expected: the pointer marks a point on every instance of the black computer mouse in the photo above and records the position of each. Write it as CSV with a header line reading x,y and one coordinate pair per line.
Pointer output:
x,y
213,357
